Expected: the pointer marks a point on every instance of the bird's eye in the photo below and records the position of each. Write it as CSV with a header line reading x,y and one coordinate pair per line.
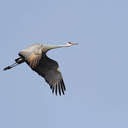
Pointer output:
x,y
69,43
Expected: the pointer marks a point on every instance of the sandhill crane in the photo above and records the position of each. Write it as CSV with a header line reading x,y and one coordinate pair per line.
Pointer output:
x,y
35,56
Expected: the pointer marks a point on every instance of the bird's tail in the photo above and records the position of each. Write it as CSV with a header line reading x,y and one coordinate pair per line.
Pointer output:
x,y
17,61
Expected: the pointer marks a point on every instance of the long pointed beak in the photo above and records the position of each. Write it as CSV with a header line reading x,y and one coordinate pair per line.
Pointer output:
x,y
74,43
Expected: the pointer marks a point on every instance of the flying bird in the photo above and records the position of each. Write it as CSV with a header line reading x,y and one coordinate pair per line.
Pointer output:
x,y
35,56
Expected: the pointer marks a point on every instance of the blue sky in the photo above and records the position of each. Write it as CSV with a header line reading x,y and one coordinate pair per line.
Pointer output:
x,y
95,72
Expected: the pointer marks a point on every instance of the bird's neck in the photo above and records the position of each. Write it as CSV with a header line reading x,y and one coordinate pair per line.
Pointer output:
x,y
49,47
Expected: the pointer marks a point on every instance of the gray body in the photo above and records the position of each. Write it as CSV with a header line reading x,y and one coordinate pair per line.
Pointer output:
x,y
35,56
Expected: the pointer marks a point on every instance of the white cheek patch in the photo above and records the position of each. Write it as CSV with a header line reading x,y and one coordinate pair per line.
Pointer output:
x,y
69,43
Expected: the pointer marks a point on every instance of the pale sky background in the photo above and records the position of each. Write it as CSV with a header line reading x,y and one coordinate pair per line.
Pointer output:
x,y
95,72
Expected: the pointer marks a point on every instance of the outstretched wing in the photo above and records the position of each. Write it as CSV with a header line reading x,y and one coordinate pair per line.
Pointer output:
x,y
32,57
49,69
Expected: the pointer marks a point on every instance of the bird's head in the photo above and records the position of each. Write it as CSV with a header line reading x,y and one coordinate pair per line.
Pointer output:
x,y
70,44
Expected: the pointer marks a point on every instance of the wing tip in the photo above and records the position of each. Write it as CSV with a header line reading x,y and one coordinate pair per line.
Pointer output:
x,y
58,88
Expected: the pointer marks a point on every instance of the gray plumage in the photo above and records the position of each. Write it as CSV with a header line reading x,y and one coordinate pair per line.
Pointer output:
x,y
35,56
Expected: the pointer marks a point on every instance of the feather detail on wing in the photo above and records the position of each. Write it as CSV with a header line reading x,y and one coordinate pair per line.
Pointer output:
x,y
33,60
48,69
31,56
